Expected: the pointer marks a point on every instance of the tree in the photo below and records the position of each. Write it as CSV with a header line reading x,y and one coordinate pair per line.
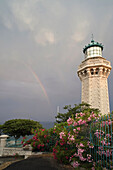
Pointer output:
x,y
83,107
20,127
0,129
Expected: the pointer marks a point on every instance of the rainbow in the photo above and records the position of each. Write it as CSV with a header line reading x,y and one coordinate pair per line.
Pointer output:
x,y
40,83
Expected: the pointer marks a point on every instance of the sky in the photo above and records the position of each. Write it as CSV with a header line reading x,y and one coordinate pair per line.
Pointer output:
x,y
41,47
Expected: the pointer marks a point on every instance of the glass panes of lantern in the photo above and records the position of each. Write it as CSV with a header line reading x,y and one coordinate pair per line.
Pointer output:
x,y
93,52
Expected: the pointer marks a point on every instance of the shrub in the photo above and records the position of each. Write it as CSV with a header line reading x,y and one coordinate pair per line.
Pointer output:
x,y
73,145
43,140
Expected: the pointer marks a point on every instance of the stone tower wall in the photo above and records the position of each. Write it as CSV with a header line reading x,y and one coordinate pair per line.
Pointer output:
x,y
93,73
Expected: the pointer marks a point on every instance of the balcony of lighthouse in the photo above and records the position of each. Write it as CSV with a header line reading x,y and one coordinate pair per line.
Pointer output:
x,y
94,62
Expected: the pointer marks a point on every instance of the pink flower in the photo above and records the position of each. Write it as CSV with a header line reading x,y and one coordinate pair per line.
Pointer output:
x,y
77,145
94,163
81,145
94,115
91,146
38,146
74,130
93,168
75,154
81,114
76,115
80,151
61,143
68,142
75,164
80,121
70,121
89,119
66,157
72,138
62,134
103,142
78,128
75,123
82,158
88,156
88,143
83,122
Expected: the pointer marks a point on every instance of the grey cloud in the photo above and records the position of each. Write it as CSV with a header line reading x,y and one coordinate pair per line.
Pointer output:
x,y
48,36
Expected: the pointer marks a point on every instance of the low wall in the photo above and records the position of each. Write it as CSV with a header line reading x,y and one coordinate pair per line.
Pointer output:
x,y
13,151
10,151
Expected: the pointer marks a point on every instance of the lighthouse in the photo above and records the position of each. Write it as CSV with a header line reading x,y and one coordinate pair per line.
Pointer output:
x,y
93,73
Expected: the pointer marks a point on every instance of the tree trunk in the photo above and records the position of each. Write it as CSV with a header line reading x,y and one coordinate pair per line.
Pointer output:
x,y
15,141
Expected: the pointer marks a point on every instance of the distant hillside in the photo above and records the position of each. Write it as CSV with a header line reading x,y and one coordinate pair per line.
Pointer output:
x,y
47,125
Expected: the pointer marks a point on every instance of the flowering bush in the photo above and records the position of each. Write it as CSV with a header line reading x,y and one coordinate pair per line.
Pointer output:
x,y
43,140
70,141
73,145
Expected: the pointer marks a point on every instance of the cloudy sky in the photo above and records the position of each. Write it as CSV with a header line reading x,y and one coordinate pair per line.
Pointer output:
x,y
41,43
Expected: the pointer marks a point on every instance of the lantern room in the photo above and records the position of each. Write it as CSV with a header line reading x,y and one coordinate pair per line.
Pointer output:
x,y
94,49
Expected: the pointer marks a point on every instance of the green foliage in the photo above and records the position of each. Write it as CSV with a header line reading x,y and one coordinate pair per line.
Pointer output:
x,y
83,107
59,126
20,127
0,129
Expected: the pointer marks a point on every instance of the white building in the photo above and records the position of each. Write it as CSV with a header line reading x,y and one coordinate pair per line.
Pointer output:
x,y
93,72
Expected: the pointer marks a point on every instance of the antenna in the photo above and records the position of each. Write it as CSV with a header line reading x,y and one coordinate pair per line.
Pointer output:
x,y
58,109
92,37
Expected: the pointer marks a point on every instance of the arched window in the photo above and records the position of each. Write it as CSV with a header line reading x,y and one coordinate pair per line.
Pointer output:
x,y
92,71
97,70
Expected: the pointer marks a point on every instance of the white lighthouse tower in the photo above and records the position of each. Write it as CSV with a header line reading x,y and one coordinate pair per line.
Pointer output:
x,y
93,72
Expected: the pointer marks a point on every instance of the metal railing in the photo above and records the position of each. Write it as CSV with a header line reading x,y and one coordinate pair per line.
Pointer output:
x,y
11,143
101,136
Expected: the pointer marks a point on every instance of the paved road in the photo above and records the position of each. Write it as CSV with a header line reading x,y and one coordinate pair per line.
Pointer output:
x,y
37,163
